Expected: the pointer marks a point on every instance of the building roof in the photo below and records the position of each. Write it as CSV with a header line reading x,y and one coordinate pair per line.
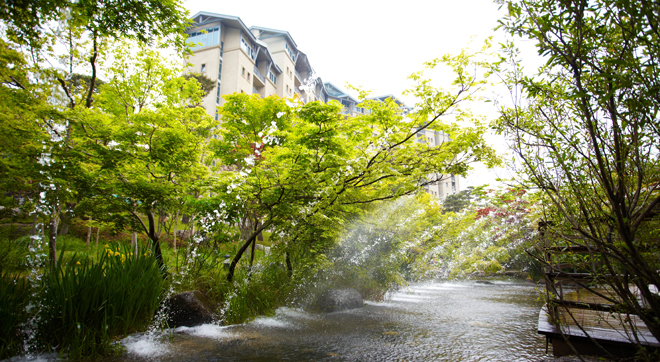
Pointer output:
x,y
205,17
275,32
336,92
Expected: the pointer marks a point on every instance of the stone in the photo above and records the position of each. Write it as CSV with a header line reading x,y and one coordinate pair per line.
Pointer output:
x,y
183,234
189,309
334,300
484,282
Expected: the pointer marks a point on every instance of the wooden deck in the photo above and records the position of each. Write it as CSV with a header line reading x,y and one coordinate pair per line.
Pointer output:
x,y
612,331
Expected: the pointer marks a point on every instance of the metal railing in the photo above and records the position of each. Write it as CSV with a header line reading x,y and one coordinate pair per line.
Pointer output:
x,y
258,74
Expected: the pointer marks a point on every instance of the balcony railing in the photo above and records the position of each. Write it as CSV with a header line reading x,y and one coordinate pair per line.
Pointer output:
x,y
259,75
299,76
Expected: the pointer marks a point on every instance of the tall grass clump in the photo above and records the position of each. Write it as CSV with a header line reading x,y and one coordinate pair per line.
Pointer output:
x,y
88,303
14,296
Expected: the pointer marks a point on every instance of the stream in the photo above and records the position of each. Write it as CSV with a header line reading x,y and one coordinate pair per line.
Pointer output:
x,y
433,321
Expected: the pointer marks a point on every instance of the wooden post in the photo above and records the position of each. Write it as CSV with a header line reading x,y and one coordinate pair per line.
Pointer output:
x,y
134,246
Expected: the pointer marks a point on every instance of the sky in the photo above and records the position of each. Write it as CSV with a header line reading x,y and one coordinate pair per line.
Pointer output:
x,y
377,44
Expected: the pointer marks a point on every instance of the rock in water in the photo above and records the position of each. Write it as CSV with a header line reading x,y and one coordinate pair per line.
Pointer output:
x,y
189,309
334,300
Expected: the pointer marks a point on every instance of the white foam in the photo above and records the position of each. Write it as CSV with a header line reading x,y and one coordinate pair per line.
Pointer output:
x,y
408,298
145,346
49,357
270,322
378,304
294,313
207,331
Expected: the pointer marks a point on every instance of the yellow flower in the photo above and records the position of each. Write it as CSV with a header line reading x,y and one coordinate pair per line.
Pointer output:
x,y
117,253
77,263
106,246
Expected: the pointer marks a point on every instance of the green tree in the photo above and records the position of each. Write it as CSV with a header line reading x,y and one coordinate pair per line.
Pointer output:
x,y
586,131
459,201
301,170
43,105
150,142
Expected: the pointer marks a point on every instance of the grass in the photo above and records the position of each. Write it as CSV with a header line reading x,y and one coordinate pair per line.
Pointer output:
x,y
89,302
14,296
100,293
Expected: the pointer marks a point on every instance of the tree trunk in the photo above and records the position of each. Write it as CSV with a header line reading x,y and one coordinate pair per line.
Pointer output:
x,y
98,231
176,221
64,229
52,238
241,251
191,222
89,232
254,243
289,267
134,246
155,240
65,219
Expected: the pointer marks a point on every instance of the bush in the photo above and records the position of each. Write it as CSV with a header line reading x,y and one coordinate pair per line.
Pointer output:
x,y
88,303
251,294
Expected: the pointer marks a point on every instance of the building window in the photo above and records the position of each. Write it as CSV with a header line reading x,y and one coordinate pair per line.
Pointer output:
x,y
288,49
216,118
203,68
272,77
247,47
248,77
217,96
206,37
243,72
222,47
220,71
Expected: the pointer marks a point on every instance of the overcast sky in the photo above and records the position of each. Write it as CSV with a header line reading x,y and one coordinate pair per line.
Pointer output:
x,y
374,44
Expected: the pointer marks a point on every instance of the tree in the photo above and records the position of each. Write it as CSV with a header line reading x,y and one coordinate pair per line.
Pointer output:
x,y
302,170
585,128
149,143
457,202
44,104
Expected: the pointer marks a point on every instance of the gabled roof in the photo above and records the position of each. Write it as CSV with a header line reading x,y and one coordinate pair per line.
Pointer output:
x,y
301,58
336,92
205,17
274,32
386,96
263,47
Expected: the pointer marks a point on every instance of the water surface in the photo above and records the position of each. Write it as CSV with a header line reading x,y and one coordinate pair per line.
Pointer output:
x,y
435,321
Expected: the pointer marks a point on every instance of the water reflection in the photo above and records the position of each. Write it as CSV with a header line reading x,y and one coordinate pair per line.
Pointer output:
x,y
440,321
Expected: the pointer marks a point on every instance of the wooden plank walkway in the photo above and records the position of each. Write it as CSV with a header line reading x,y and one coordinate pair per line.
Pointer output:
x,y
598,325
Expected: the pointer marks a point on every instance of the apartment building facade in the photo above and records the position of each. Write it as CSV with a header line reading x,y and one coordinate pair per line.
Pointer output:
x,y
253,60
264,61
444,185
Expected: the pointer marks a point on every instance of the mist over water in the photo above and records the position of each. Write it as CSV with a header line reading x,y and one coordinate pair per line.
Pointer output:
x,y
433,321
